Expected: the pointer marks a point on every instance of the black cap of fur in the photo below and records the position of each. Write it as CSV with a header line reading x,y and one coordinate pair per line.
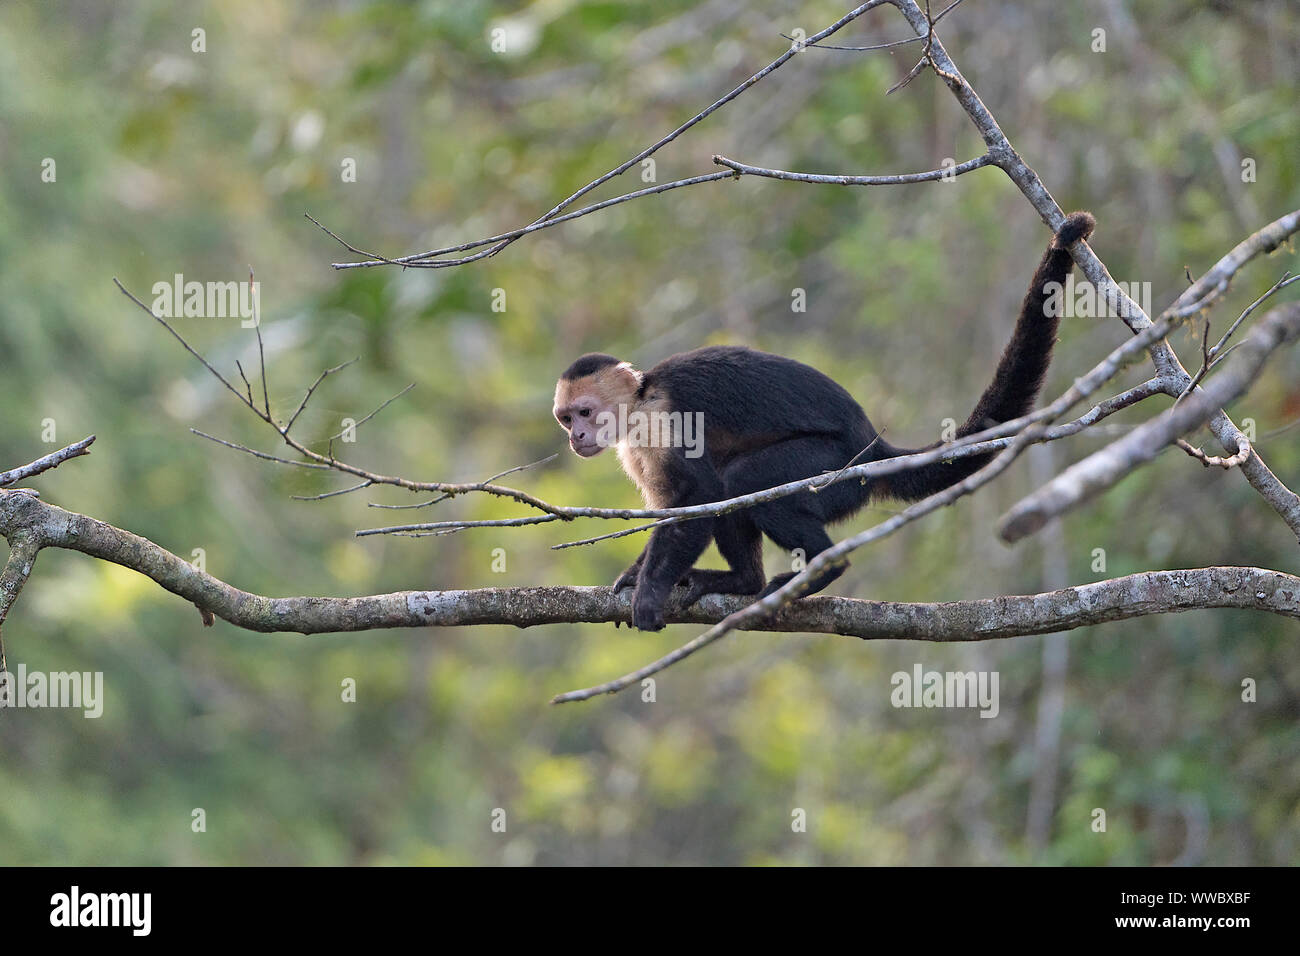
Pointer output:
x,y
588,364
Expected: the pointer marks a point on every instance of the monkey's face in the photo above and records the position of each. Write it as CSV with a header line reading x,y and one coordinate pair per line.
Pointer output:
x,y
582,419
587,408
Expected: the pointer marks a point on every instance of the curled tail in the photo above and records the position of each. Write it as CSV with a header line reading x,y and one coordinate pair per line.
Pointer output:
x,y
1019,376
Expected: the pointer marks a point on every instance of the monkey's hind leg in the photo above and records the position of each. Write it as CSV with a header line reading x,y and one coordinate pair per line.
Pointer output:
x,y
795,523
793,528
741,544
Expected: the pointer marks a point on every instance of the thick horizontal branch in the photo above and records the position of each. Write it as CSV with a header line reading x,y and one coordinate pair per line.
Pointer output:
x,y
1117,599
39,525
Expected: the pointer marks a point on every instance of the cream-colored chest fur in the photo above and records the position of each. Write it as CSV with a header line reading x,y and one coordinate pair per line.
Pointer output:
x,y
643,466
650,437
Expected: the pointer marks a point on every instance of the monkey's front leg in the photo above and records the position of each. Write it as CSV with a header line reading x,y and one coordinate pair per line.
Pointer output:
x,y
672,552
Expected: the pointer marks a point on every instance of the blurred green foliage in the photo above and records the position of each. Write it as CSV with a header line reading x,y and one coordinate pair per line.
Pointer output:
x,y
171,161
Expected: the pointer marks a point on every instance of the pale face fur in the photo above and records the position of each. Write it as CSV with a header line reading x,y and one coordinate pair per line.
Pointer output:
x,y
581,406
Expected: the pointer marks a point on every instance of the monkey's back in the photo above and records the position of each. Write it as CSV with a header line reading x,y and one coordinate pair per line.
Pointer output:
x,y
742,391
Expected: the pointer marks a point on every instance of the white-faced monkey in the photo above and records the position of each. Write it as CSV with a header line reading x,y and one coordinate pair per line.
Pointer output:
x,y
767,421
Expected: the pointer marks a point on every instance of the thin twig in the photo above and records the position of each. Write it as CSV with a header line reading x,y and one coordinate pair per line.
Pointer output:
x,y
444,497
52,460
900,179
333,494
384,405
616,534
261,352
1243,452
1210,357
306,398
623,167
852,461
260,454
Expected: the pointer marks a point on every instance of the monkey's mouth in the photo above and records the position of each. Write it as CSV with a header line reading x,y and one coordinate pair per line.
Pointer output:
x,y
587,450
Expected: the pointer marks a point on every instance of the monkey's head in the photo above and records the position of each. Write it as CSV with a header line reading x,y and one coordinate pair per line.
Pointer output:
x,y
587,401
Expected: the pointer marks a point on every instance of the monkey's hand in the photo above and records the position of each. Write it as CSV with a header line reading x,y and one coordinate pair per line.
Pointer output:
x,y
627,580
647,611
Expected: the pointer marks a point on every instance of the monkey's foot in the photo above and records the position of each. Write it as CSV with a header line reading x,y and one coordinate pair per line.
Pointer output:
x,y
778,582
628,578
819,582
700,583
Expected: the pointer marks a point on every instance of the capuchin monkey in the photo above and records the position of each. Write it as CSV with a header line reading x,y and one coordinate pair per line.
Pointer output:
x,y
721,422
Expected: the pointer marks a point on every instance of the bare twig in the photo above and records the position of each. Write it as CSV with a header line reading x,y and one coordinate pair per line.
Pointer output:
x,y
257,328
616,534
434,501
1210,355
359,486
930,176
508,237
494,248
52,460
314,385
1243,452
367,418
879,46
260,454
328,461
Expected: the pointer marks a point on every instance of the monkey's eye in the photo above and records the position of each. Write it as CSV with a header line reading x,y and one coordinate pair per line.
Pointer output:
x,y
565,419
585,413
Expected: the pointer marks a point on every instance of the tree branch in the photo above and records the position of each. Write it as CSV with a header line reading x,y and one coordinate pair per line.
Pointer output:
x,y
1205,291
30,524
1116,599
1104,468
52,460
421,259
900,179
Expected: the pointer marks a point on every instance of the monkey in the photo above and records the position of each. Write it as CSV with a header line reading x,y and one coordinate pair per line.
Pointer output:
x,y
724,421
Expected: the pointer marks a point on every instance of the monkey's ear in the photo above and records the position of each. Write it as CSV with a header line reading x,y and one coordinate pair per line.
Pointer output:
x,y
625,368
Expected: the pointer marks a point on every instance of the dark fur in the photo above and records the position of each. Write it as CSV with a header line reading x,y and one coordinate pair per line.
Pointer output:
x,y
588,364
770,420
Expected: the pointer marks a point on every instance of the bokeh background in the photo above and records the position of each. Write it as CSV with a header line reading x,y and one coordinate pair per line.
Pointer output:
x,y
171,161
